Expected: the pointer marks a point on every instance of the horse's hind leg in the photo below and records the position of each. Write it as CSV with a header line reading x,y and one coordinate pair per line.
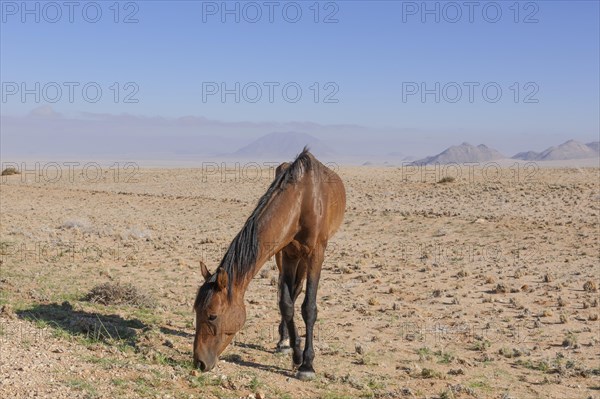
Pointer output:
x,y
283,346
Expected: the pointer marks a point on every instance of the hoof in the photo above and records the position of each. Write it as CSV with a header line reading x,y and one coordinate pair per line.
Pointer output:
x,y
284,349
305,375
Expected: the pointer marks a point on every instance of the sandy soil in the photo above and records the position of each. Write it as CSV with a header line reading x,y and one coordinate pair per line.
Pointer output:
x,y
485,287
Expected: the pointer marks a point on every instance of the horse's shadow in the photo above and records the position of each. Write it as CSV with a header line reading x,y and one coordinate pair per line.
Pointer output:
x,y
265,367
90,325
98,327
239,360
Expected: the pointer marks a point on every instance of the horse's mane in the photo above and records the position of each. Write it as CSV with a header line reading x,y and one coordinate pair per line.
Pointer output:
x,y
243,250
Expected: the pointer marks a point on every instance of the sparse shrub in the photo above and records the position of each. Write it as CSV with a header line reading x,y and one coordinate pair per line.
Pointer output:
x,y
10,171
501,289
373,301
365,359
254,384
430,373
444,357
136,233
447,394
446,179
117,294
548,278
81,224
519,274
570,341
590,286
462,273
563,318
561,302
424,353
481,345
510,353
541,365
358,348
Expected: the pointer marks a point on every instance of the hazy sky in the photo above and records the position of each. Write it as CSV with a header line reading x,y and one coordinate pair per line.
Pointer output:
x,y
356,62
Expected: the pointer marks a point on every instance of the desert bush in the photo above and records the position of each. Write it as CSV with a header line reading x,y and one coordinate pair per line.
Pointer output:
x,y
117,294
81,224
10,171
446,179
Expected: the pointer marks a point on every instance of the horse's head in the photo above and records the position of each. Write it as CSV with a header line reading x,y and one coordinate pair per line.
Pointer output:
x,y
218,317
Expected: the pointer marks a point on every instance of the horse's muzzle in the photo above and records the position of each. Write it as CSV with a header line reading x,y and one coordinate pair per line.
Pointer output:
x,y
203,365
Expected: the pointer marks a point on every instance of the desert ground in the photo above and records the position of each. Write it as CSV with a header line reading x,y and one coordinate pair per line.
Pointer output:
x,y
481,287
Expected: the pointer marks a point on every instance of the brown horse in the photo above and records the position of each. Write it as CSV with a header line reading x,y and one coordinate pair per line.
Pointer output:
x,y
294,219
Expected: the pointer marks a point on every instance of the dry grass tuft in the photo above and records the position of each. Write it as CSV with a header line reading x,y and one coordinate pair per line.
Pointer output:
x,y
119,294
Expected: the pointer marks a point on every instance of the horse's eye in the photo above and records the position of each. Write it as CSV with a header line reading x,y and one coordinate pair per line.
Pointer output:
x,y
212,317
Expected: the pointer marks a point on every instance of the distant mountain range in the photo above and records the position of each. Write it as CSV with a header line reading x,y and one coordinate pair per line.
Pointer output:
x,y
286,145
46,134
466,152
568,150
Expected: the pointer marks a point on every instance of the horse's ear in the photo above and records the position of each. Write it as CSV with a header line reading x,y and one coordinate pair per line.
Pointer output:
x,y
222,278
204,270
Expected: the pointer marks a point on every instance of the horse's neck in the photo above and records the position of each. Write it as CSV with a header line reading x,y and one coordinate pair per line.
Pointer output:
x,y
273,236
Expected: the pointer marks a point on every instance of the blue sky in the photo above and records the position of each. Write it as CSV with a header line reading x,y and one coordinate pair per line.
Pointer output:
x,y
373,53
